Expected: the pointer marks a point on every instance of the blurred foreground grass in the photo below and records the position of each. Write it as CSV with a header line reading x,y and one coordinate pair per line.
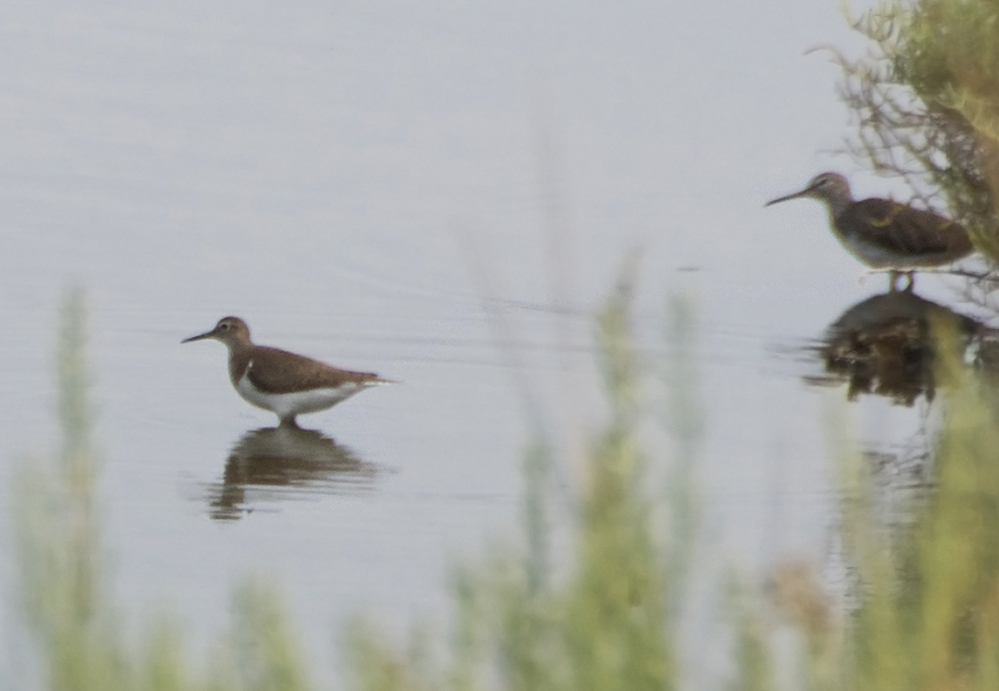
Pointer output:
x,y
923,612
81,636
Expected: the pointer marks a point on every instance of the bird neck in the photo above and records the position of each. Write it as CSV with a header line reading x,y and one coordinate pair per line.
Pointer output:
x,y
239,358
838,203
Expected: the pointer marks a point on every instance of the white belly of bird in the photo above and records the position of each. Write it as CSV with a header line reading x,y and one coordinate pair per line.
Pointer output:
x,y
869,253
298,402
879,258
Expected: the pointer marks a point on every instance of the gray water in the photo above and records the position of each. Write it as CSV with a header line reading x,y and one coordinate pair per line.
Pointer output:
x,y
439,192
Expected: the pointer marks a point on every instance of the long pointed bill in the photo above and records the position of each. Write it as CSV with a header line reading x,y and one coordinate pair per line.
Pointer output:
x,y
207,334
796,195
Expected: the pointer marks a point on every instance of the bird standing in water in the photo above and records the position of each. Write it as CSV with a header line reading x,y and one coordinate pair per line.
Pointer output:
x,y
884,234
284,383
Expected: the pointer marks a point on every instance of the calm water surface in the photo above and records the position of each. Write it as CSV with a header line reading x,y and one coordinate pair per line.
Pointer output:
x,y
372,184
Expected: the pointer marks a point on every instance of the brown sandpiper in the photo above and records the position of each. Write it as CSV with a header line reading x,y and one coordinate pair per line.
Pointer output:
x,y
884,234
281,382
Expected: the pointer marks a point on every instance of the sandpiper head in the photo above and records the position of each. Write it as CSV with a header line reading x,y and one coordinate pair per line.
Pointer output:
x,y
229,330
829,187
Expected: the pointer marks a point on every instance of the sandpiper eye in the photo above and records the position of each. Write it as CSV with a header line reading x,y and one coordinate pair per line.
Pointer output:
x,y
223,327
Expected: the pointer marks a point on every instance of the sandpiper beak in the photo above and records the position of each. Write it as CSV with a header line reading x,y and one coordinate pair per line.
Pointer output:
x,y
207,334
803,193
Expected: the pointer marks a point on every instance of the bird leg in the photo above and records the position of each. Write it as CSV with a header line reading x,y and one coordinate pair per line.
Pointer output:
x,y
289,422
893,277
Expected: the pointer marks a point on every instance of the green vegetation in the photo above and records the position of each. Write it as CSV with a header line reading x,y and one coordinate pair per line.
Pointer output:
x,y
607,623
925,600
923,614
923,606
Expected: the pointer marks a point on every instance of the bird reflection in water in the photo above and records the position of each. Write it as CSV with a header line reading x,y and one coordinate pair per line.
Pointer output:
x,y
883,345
283,463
